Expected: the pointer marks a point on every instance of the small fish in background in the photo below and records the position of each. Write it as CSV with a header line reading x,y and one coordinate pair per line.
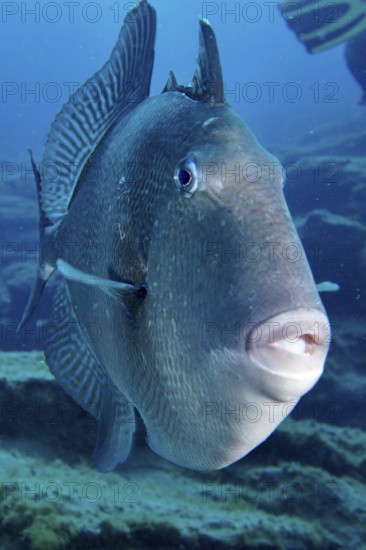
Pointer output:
x,y
154,313
328,286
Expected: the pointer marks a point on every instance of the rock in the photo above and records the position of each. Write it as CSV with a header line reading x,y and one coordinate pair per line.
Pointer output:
x,y
304,488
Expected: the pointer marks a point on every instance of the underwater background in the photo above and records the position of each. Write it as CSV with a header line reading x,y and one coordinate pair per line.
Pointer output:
x,y
305,487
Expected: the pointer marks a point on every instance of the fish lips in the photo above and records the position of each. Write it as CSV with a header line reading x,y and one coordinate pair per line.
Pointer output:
x,y
287,352
259,387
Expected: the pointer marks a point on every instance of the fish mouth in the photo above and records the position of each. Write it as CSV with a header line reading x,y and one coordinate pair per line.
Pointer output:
x,y
293,344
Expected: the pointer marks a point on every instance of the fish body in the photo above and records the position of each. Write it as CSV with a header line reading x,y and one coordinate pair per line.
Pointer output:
x,y
186,294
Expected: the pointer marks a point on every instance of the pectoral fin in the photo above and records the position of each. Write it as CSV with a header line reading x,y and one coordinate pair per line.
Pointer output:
x,y
118,290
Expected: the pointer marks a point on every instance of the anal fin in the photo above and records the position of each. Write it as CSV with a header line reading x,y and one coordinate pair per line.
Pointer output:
x,y
73,363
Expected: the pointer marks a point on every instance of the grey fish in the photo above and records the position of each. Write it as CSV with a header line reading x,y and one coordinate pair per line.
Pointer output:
x,y
185,294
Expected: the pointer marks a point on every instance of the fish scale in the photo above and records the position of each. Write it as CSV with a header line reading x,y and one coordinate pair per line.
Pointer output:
x,y
168,318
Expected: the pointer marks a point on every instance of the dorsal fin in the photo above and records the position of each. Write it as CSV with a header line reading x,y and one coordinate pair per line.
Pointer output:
x,y
207,84
122,83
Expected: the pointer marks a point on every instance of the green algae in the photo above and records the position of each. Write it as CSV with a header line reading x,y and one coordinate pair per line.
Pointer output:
x,y
39,527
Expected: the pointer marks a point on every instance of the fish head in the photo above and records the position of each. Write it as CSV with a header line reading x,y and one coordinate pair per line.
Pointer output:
x,y
235,320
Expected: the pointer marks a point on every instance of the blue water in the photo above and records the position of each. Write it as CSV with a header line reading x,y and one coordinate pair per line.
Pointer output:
x,y
47,49
286,95
49,56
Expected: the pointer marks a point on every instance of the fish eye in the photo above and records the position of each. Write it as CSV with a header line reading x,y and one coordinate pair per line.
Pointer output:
x,y
185,177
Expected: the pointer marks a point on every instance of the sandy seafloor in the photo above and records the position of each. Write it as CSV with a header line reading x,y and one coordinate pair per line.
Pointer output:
x,y
305,487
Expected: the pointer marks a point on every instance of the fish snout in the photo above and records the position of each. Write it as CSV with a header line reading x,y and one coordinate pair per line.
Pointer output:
x,y
292,345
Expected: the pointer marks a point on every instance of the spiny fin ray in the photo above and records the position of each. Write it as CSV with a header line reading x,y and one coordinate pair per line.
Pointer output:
x,y
207,84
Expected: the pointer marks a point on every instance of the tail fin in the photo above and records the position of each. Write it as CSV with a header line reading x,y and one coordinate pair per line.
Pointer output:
x,y
45,267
